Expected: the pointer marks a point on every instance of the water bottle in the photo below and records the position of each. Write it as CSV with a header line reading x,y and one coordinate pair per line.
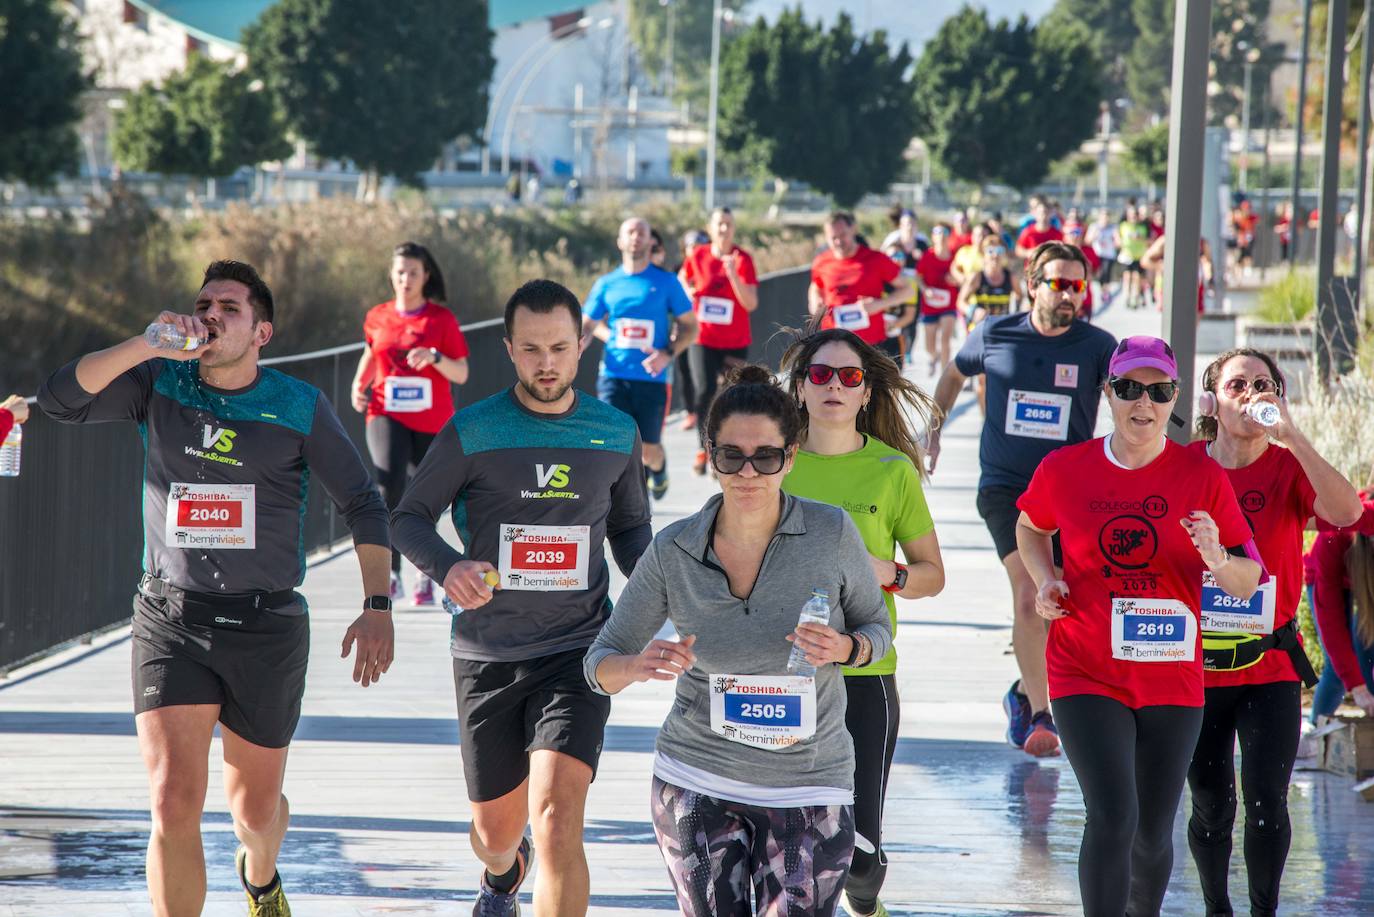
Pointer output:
x,y
1264,413
815,611
451,607
169,337
9,452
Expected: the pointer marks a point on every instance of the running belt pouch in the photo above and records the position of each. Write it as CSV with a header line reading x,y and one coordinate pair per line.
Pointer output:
x,y
223,612
1231,652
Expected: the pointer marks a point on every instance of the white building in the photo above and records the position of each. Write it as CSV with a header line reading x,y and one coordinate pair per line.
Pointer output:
x,y
554,58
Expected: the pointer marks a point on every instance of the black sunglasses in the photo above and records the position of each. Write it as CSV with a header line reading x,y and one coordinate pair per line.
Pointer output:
x,y
729,460
1131,390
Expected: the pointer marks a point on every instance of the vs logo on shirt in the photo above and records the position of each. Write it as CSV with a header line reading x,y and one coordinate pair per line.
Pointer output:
x,y
551,475
221,438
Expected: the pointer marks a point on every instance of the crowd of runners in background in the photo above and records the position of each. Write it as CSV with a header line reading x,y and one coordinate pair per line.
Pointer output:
x,y
1154,586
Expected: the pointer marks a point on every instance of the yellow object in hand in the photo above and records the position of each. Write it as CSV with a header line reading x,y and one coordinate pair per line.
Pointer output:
x,y
491,578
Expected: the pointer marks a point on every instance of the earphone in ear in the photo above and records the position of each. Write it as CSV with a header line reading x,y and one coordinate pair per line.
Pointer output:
x,y
1207,405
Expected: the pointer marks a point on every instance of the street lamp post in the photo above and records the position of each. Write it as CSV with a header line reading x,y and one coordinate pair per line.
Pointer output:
x,y
1251,56
1294,219
714,106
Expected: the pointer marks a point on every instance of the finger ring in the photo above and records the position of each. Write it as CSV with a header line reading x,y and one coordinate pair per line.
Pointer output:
x,y
662,653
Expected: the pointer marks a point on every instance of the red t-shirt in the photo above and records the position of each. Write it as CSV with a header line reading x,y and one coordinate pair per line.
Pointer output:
x,y
958,240
6,422
391,335
1122,540
938,295
1326,571
843,281
1277,500
1031,237
721,326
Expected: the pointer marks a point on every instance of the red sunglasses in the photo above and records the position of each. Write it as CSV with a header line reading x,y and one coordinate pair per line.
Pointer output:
x,y
850,376
1060,284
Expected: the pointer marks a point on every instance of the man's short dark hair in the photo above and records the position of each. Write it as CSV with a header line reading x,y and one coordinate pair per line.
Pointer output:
x,y
259,295
543,296
1046,252
840,216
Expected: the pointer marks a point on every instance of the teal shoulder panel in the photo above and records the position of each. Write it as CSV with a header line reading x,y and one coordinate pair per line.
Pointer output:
x,y
277,398
496,423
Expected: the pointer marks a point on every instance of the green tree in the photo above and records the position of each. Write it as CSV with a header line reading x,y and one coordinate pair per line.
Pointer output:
x,y
40,102
1149,68
834,109
682,64
1147,154
383,85
1113,29
1001,102
206,120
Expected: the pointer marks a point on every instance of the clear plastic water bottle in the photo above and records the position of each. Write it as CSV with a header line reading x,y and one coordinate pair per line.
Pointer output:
x,y
451,607
1264,413
815,611
10,452
165,336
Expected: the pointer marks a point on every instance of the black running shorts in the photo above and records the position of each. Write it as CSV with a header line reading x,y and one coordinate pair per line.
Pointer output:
x,y
257,676
997,506
508,709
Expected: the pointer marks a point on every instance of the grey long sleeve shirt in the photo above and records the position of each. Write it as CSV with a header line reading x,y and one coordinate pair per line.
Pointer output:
x,y
679,578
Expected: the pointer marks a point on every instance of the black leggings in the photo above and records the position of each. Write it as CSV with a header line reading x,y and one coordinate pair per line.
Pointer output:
x,y
682,381
1131,764
396,451
707,365
872,717
1267,718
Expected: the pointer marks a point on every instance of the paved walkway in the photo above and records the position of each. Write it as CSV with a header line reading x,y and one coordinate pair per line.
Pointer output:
x,y
380,816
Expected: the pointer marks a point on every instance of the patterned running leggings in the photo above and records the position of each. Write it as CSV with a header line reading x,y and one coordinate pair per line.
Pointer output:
x,y
728,859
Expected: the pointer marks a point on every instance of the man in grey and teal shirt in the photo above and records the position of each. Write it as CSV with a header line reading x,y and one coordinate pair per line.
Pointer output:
x,y
219,633
645,318
536,479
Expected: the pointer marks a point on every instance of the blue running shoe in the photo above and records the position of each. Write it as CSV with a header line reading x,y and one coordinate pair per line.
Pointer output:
x,y
1018,710
491,903
1043,740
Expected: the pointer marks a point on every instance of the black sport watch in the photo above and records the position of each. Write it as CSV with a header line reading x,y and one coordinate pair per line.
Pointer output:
x,y
377,603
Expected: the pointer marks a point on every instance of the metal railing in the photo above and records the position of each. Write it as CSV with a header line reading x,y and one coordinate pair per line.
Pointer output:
x,y
71,526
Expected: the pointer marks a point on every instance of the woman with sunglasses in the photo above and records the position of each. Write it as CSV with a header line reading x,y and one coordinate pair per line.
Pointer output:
x,y
753,789
1141,519
938,291
1254,653
858,451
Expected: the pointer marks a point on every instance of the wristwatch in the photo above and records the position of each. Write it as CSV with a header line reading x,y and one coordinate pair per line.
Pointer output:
x,y
378,603
434,352
899,581
862,653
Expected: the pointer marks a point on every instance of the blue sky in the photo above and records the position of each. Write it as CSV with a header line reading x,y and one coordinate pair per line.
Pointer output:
x,y
912,21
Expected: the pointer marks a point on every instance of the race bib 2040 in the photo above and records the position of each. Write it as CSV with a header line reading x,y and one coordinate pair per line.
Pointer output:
x,y
220,517
765,711
544,558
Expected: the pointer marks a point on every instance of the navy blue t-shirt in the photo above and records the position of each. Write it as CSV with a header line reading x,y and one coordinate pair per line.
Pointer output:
x,y
1042,391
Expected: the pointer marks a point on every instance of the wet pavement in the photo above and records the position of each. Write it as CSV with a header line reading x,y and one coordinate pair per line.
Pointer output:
x,y
973,827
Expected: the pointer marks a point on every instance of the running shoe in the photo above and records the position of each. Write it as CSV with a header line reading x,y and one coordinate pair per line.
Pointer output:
x,y
424,592
491,903
1043,741
271,903
1018,710
658,481
689,422
398,589
699,463
878,911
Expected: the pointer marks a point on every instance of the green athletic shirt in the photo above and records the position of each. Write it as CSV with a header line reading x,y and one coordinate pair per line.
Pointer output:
x,y
1135,240
881,490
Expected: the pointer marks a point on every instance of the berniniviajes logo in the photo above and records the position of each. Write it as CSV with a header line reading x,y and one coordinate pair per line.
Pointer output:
x,y
553,482
1128,542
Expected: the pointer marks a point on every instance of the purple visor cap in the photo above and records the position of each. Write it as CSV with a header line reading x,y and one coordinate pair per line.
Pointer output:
x,y
1143,351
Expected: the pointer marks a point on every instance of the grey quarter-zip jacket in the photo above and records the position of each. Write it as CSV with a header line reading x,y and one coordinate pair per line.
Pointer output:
x,y
680,579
